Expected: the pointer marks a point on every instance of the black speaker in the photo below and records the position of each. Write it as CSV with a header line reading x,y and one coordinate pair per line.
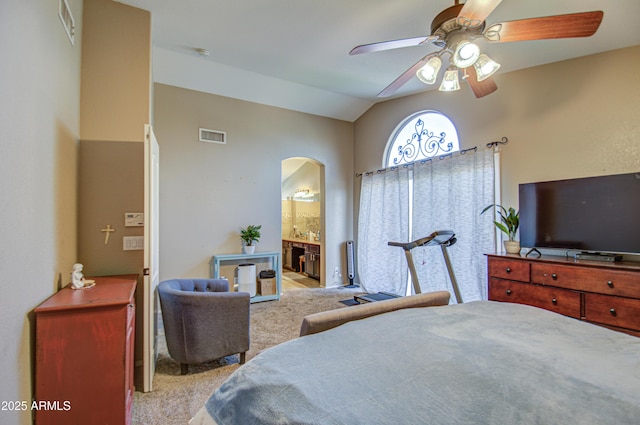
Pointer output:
x,y
351,261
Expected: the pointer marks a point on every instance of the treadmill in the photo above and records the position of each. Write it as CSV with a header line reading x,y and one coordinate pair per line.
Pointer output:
x,y
441,238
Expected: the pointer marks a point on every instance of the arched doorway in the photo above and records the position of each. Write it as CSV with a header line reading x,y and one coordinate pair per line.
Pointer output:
x,y
302,195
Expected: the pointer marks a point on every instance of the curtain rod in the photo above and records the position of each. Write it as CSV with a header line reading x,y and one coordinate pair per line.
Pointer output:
x,y
490,145
496,144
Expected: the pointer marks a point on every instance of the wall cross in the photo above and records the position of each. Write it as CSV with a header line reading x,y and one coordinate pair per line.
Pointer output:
x,y
107,231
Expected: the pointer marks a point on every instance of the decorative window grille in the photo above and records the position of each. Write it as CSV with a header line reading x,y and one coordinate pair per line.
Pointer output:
x,y
420,136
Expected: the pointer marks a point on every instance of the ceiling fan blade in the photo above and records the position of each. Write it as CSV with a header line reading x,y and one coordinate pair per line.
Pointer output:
x,y
582,24
404,78
480,88
393,44
474,12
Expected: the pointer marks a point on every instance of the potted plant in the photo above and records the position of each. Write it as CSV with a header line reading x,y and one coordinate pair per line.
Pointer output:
x,y
509,223
250,235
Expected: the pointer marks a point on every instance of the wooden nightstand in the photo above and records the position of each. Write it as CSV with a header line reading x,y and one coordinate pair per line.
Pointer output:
x,y
84,353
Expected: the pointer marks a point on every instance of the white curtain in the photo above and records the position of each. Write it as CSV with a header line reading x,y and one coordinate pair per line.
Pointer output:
x,y
383,217
449,194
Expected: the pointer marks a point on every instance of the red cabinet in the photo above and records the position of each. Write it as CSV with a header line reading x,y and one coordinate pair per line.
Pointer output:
x,y
84,354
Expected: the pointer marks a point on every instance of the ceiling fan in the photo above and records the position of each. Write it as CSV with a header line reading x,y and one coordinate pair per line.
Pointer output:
x,y
454,31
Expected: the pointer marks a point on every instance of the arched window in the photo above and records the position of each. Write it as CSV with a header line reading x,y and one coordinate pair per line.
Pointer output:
x,y
420,136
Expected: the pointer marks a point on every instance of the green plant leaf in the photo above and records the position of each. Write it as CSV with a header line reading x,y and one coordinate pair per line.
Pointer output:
x,y
250,234
501,227
510,219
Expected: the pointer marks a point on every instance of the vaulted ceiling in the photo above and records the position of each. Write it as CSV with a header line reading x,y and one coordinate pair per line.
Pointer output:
x,y
295,53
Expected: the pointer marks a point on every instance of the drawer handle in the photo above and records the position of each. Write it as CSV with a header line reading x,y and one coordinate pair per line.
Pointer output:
x,y
508,270
508,291
554,301
610,284
613,312
554,276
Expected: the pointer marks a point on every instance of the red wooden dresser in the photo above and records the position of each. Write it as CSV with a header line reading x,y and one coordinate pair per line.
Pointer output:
x,y
84,354
607,294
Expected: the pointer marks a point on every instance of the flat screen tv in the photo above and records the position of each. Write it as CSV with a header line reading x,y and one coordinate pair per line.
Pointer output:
x,y
593,214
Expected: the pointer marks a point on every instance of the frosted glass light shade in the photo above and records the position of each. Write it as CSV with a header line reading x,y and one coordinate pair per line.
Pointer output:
x,y
429,72
485,67
450,80
466,54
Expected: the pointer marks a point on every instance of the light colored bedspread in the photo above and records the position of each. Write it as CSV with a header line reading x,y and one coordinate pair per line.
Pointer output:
x,y
476,363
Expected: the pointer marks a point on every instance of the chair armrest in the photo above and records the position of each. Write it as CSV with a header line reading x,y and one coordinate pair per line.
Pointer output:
x,y
325,320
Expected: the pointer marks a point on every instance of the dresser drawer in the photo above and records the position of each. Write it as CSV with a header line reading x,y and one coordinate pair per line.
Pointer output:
x,y
558,300
588,279
615,311
509,269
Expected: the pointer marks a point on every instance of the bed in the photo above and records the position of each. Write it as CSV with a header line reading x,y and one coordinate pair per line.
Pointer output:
x,y
477,363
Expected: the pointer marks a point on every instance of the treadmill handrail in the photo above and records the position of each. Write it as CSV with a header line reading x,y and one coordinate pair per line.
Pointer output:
x,y
440,237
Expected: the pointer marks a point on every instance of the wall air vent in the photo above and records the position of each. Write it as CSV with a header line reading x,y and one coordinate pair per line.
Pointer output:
x,y
69,24
213,136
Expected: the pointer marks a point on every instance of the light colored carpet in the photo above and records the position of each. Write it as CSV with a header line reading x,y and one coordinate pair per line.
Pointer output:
x,y
176,398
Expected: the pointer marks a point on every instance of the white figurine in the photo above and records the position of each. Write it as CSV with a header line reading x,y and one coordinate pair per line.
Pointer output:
x,y
77,278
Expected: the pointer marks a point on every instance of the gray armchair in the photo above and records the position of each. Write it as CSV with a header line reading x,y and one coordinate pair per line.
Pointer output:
x,y
203,321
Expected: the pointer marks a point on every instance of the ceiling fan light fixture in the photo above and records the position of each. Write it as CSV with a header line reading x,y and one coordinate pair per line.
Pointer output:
x,y
429,72
485,67
465,54
450,81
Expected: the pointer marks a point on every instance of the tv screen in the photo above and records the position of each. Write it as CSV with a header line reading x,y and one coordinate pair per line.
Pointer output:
x,y
594,214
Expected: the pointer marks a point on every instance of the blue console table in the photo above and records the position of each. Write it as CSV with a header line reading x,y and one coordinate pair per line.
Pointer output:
x,y
273,257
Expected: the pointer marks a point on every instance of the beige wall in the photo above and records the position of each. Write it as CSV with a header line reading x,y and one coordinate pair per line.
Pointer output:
x,y
568,119
115,106
208,191
116,68
39,129
111,183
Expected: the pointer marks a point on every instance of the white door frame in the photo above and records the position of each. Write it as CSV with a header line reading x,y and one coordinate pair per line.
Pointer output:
x,y
151,254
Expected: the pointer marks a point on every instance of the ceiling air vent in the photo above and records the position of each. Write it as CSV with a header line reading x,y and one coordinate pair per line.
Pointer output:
x,y
69,24
213,136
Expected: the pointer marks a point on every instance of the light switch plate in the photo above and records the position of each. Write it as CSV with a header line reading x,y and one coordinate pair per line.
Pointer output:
x,y
132,243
